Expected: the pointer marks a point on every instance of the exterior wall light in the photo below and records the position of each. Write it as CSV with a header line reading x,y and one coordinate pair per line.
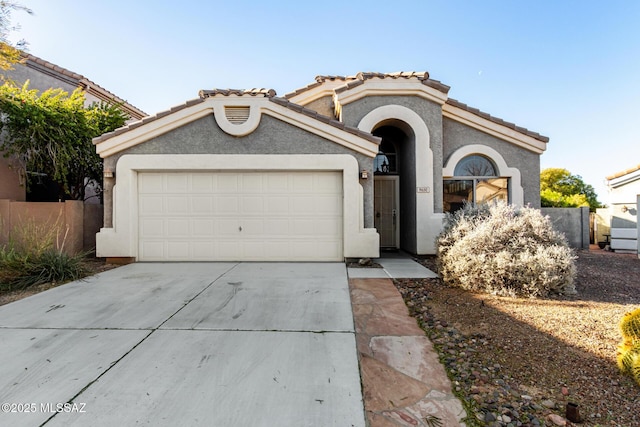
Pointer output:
x,y
364,174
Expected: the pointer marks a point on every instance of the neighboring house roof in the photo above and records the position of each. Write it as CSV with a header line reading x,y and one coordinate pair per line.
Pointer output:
x,y
624,177
623,173
339,84
78,80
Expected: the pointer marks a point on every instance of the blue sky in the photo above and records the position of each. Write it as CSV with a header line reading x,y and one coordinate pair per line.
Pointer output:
x,y
569,70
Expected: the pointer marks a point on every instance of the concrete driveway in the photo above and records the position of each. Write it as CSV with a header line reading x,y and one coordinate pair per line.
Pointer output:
x,y
212,344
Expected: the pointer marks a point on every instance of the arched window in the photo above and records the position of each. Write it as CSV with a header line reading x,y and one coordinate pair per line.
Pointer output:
x,y
476,180
475,165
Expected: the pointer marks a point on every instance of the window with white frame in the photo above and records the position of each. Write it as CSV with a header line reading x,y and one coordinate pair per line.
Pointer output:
x,y
476,180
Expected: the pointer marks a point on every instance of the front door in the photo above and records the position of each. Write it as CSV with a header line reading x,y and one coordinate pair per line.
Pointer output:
x,y
386,191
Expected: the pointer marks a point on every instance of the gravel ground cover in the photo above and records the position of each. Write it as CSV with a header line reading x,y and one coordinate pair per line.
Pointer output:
x,y
519,362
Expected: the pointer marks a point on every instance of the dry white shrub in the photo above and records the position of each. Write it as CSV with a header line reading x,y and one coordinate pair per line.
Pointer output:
x,y
505,250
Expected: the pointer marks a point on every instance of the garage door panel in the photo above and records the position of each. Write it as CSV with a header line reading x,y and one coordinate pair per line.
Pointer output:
x,y
257,216
201,205
150,227
226,205
304,205
178,250
278,226
204,227
303,182
277,205
252,205
150,205
178,228
202,183
151,183
227,183
252,182
227,226
177,182
176,205
152,250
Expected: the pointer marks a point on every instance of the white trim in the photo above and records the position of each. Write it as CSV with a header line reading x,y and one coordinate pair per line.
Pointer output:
x,y
145,132
517,192
428,223
258,106
492,128
122,239
237,129
391,87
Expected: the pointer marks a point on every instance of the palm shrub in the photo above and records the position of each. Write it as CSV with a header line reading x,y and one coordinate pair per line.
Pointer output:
x,y
629,349
505,250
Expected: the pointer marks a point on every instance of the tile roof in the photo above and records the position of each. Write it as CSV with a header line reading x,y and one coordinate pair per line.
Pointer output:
x,y
267,93
358,79
497,120
146,120
322,118
623,173
85,84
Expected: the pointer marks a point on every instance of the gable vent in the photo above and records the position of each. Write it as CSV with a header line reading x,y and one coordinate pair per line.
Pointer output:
x,y
236,114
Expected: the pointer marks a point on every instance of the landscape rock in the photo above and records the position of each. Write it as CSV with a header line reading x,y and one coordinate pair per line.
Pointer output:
x,y
557,420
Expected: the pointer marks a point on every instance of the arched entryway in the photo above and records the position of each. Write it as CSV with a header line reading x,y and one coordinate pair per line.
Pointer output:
x,y
417,223
394,175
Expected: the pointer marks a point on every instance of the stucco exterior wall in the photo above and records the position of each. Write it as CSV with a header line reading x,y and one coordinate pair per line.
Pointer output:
x,y
457,135
39,80
272,136
322,106
573,222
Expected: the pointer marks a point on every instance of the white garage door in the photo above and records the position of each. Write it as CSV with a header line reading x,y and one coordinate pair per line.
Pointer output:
x,y
240,216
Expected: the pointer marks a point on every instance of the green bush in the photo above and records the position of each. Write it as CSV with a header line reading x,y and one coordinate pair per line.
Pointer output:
x,y
505,250
21,270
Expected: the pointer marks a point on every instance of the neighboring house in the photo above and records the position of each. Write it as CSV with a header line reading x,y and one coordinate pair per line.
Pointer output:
x,y
43,75
338,169
624,202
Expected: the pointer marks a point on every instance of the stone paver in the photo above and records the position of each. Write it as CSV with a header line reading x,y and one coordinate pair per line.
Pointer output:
x,y
403,381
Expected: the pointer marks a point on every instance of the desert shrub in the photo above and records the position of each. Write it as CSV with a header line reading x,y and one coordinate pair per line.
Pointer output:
x,y
505,250
35,255
629,349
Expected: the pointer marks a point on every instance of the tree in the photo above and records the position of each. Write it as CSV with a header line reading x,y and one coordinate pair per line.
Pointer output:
x,y
51,133
559,188
9,54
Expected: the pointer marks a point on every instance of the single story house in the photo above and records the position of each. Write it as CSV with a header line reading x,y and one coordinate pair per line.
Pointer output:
x,y
624,202
43,75
338,169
